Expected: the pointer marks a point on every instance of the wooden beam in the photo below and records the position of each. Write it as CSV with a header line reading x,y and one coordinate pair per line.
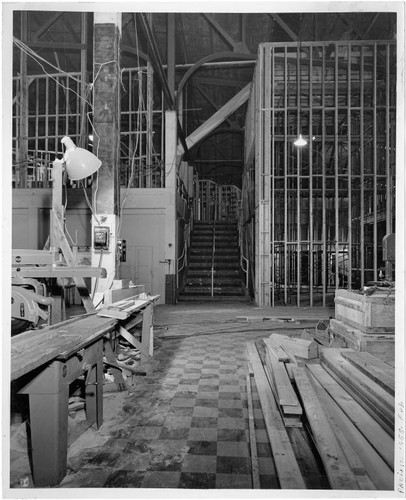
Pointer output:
x,y
46,26
171,52
181,35
378,470
219,117
253,442
284,26
207,98
221,31
339,474
289,474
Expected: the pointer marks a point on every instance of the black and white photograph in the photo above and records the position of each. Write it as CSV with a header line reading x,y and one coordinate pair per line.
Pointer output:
x,y
203,249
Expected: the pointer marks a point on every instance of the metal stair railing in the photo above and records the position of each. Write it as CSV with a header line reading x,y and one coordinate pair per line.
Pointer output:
x,y
212,258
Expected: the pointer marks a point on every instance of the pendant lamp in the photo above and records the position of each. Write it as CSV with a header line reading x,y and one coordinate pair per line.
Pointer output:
x,y
79,162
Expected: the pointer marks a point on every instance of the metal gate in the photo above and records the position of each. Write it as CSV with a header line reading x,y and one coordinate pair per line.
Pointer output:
x,y
215,201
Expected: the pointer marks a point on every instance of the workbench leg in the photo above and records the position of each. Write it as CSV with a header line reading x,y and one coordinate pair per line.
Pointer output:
x,y
147,336
94,394
49,436
111,358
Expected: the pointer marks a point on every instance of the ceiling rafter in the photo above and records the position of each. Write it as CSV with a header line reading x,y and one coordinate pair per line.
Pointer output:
x,y
207,98
236,46
277,18
45,27
181,35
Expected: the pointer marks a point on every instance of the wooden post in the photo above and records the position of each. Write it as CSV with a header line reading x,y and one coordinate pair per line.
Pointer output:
x,y
171,163
106,102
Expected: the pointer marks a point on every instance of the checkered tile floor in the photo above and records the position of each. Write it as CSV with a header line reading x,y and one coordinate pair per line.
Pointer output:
x,y
186,424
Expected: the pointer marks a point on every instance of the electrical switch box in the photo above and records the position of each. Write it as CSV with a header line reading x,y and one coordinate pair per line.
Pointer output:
x,y
101,238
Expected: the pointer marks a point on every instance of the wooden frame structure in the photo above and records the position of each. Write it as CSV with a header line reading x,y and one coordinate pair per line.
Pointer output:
x,y
321,211
59,104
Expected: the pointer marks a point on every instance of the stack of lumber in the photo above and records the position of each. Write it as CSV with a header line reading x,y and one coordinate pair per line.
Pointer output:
x,y
342,425
295,347
289,474
346,400
367,379
285,396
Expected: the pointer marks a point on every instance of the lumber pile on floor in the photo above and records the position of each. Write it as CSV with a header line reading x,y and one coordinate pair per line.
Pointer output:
x,y
345,402
285,396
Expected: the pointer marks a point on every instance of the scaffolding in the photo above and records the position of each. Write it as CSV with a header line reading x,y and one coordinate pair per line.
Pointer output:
x,y
321,210
47,107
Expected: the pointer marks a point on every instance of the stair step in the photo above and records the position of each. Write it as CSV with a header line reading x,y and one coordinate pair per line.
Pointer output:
x,y
218,282
194,266
195,273
217,291
216,298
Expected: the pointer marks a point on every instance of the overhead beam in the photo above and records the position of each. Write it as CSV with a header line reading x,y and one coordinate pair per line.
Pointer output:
x,y
284,26
219,117
207,98
46,26
236,46
158,68
181,35
170,42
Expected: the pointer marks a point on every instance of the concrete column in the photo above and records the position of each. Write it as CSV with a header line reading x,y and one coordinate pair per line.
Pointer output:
x,y
171,160
106,121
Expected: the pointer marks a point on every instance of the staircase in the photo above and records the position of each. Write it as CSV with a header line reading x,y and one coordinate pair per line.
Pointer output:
x,y
227,283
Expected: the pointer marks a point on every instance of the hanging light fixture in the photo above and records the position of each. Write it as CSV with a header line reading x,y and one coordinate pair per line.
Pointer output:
x,y
300,142
79,162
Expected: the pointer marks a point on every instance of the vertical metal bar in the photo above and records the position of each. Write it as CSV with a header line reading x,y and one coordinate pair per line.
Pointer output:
x,y
46,112
83,78
149,119
375,170
57,113
266,206
336,172
349,167
272,173
36,113
22,144
362,194
323,164
311,215
171,52
298,156
285,169
67,107
387,145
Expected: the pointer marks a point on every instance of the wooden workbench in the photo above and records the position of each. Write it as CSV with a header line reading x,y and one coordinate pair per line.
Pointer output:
x,y
57,355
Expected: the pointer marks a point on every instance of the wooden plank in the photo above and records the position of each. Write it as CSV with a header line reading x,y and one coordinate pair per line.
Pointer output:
x,y
306,349
35,348
289,474
291,418
377,469
215,120
276,350
133,341
339,474
118,294
362,420
253,441
374,368
364,400
370,393
284,389
354,461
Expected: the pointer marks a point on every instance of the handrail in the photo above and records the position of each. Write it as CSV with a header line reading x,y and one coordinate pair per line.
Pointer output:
x,y
212,258
183,258
240,244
